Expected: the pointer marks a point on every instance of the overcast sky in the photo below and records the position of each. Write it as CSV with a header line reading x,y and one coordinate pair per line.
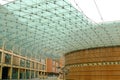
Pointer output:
x,y
109,9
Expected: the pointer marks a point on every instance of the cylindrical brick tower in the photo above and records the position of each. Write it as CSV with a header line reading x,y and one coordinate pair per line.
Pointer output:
x,y
93,64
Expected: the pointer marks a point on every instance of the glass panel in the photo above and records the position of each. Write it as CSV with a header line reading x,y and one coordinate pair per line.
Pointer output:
x,y
14,73
22,62
51,28
7,59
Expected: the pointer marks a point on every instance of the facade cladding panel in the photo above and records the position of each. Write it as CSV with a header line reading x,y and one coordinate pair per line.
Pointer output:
x,y
93,64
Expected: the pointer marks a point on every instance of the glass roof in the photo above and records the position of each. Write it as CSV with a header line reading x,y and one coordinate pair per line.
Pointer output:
x,y
51,28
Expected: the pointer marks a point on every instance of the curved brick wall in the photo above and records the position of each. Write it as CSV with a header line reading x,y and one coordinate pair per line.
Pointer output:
x,y
93,64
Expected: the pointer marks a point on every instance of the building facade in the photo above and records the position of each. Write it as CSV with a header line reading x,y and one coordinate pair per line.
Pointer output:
x,y
13,66
52,67
93,64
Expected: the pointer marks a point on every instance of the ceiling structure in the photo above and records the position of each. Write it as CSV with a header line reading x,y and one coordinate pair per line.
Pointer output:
x,y
51,28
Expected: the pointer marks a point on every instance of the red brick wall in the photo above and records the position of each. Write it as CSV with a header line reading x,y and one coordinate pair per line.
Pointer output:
x,y
49,65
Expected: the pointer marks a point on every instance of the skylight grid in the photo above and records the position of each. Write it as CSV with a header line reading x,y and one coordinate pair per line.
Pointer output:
x,y
51,28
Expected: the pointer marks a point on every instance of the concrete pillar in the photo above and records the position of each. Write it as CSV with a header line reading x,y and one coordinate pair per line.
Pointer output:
x,y
2,57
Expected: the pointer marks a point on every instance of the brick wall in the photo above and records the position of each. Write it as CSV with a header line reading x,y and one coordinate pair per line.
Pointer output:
x,y
49,65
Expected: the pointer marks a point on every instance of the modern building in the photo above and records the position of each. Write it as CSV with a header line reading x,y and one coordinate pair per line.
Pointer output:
x,y
52,67
35,34
14,66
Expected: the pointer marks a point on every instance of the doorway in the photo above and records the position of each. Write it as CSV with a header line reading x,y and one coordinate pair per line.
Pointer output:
x,y
5,73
